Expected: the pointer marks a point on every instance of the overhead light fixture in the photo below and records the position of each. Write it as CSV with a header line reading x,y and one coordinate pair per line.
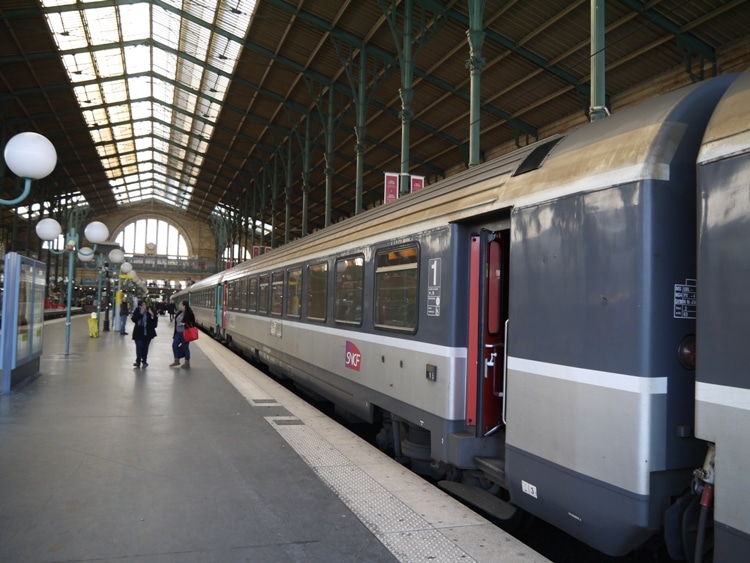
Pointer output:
x,y
30,156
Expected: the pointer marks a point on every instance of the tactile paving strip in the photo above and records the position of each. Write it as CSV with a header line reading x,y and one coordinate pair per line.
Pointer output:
x,y
404,532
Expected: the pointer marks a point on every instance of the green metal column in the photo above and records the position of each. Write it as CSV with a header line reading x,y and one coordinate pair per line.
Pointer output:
x,y
347,51
262,215
288,191
306,176
274,195
330,151
276,192
598,109
407,95
254,215
476,62
247,214
14,245
361,128
218,224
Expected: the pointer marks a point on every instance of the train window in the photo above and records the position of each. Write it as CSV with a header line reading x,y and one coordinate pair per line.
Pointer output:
x,y
293,292
236,297
396,288
317,291
252,295
277,293
349,277
263,294
242,297
230,295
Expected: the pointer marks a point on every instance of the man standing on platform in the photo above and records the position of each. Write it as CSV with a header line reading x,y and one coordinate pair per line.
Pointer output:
x,y
124,314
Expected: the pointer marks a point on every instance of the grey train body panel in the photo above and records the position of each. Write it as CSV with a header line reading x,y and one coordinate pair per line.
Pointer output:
x,y
723,387
595,390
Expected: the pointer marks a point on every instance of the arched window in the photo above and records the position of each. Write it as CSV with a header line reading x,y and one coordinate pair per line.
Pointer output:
x,y
168,242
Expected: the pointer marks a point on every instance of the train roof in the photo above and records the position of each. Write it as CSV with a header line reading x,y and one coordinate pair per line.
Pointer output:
x,y
472,192
728,132
210,281
635,144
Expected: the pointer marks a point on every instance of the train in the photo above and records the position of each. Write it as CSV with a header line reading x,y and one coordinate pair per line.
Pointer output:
x,y
558,332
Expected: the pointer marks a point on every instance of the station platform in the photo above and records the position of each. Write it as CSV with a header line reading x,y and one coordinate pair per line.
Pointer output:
x,y
101,461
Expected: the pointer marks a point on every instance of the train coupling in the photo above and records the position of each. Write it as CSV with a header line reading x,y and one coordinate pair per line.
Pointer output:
x,y
705,475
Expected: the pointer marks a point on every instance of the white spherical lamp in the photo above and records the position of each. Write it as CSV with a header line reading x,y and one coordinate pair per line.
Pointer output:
x,y
85,254
126,268
116,256
96,232
48,229
30,155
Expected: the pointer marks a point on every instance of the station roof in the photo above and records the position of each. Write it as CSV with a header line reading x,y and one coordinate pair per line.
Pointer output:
x,y
203,104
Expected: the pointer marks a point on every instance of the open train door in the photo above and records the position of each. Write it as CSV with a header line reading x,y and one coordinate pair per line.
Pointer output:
x,y
488,313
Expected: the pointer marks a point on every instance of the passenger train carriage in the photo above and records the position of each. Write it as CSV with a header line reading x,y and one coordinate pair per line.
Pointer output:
x,y
528,327
723,386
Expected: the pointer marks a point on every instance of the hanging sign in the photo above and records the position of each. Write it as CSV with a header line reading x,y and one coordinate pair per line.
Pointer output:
x,y
417,183
391,187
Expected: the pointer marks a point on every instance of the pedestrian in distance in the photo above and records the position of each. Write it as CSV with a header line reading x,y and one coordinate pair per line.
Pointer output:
x,y
185,317
144,331
124,314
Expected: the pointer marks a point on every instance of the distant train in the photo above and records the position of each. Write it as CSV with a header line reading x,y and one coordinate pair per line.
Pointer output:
x,y
526,330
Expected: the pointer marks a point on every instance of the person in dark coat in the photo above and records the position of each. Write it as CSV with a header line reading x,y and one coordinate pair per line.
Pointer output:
x,y
184,318
124,314
145,320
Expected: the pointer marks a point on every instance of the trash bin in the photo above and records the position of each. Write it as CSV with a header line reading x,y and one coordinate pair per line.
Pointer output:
x,y
94,326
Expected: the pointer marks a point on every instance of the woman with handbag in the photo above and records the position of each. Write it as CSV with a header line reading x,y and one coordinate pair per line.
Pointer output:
x,y
144,331
185,319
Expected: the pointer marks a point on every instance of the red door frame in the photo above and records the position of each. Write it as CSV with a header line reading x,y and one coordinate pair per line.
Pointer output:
x,y
488,306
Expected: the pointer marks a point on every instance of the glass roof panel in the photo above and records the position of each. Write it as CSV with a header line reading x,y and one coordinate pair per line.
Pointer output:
x,y
147,95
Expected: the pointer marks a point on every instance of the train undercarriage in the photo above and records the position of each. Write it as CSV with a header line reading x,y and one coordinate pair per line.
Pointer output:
x,y
688,522
481,487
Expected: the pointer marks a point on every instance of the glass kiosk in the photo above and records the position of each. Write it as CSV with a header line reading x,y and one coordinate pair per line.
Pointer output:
x,y
22,322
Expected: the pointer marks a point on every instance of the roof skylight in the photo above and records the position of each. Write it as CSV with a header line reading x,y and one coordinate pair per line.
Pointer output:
x,y
150,88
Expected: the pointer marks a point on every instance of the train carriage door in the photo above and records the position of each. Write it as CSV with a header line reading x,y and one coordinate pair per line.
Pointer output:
x,y
488,311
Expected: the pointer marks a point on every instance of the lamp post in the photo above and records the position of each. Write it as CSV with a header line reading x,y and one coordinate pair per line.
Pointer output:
x,y
126,268
49,229
29,156
116,257
86,255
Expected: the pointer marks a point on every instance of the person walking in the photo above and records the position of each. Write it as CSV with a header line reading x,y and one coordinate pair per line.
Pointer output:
x,y
144,331
185,317
124,314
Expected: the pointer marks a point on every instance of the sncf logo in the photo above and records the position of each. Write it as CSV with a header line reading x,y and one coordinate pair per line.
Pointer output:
x,y
353,356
